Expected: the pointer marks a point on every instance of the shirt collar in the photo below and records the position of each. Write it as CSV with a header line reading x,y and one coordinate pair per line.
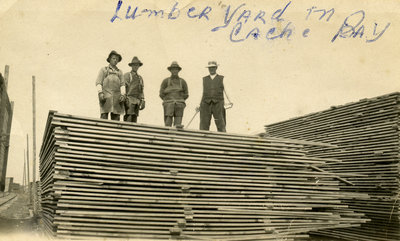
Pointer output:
x,y
213,76
116,68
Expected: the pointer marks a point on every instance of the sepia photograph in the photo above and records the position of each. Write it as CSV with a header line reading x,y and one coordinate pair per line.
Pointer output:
x,y
200,120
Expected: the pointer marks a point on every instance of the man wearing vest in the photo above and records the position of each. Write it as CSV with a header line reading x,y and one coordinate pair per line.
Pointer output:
x,y
212,102
110,88
174,92
134,91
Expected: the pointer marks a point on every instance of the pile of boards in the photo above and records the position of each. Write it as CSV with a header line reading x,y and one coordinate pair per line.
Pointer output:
x,y
367,136
111,179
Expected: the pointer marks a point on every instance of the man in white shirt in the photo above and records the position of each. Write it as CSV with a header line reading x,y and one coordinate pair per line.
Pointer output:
x,y
212,101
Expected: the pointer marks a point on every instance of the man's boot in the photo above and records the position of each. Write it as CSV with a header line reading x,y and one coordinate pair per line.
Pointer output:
x,y
104,116
168,120
115,116
178,121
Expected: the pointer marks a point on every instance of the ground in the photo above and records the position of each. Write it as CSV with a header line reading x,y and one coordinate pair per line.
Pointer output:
x,y
16,223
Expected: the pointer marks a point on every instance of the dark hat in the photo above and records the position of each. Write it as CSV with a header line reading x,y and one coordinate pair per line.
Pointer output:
x,y
174,65
114,53
135,60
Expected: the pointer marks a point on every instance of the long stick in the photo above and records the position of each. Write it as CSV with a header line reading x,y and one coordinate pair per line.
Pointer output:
x,y
27,162
337,177
34,127
24,175
197,111
34,140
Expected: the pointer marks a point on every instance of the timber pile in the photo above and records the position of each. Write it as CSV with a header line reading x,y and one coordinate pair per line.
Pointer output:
x,y
37,199
102,178
367,136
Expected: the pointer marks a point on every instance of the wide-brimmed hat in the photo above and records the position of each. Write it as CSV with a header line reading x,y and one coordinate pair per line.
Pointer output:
x,y
175,65
135,60
212,64
114,53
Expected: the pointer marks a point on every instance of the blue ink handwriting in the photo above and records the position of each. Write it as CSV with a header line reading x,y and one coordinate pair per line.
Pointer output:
x,y
351,30
172,14
314,9
245,23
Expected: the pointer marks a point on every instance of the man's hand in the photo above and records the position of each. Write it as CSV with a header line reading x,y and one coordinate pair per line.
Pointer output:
x,y
142,105
167,90
121,98
102,98
197,109
228,105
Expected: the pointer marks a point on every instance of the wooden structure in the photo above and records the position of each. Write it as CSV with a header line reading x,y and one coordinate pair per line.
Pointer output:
x,y
8,184
6,112
102,178
367,136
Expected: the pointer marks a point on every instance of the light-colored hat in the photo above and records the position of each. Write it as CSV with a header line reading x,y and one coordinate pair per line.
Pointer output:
x,y
116,54
174,64
212,64
135,60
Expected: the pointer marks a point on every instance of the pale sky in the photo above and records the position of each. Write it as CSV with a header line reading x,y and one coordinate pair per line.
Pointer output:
x,y
65,43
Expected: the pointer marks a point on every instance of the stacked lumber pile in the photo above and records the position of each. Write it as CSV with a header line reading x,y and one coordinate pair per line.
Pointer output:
x,y
37,198
102,178
367,136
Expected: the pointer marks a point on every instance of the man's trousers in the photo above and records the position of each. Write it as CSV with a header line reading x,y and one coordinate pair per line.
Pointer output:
x,y
215,109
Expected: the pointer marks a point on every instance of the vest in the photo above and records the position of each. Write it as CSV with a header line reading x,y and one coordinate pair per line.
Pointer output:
x,y
134,86
213,89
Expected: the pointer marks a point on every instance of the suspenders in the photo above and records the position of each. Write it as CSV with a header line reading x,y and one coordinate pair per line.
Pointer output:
x,y
180,82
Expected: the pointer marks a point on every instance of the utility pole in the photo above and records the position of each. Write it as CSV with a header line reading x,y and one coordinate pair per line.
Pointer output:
x,y
27,171
34,141
27,161
24,175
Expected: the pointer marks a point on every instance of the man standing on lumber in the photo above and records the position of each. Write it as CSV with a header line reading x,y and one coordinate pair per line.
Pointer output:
x,y
174,91
134,91
212,101
111,88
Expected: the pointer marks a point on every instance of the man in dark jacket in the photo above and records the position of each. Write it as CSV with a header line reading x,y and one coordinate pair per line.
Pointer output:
x,y
174,91
212,102
134,91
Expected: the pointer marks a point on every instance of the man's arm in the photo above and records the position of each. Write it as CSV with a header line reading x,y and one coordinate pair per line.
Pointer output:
x,y
99,80
126,82
162,88
198,107
99,85
229,104
142,84
185,90
122,82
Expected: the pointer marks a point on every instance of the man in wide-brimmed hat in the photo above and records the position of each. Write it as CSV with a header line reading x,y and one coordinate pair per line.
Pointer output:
x,y
134,91
212,101
110,86
174,91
